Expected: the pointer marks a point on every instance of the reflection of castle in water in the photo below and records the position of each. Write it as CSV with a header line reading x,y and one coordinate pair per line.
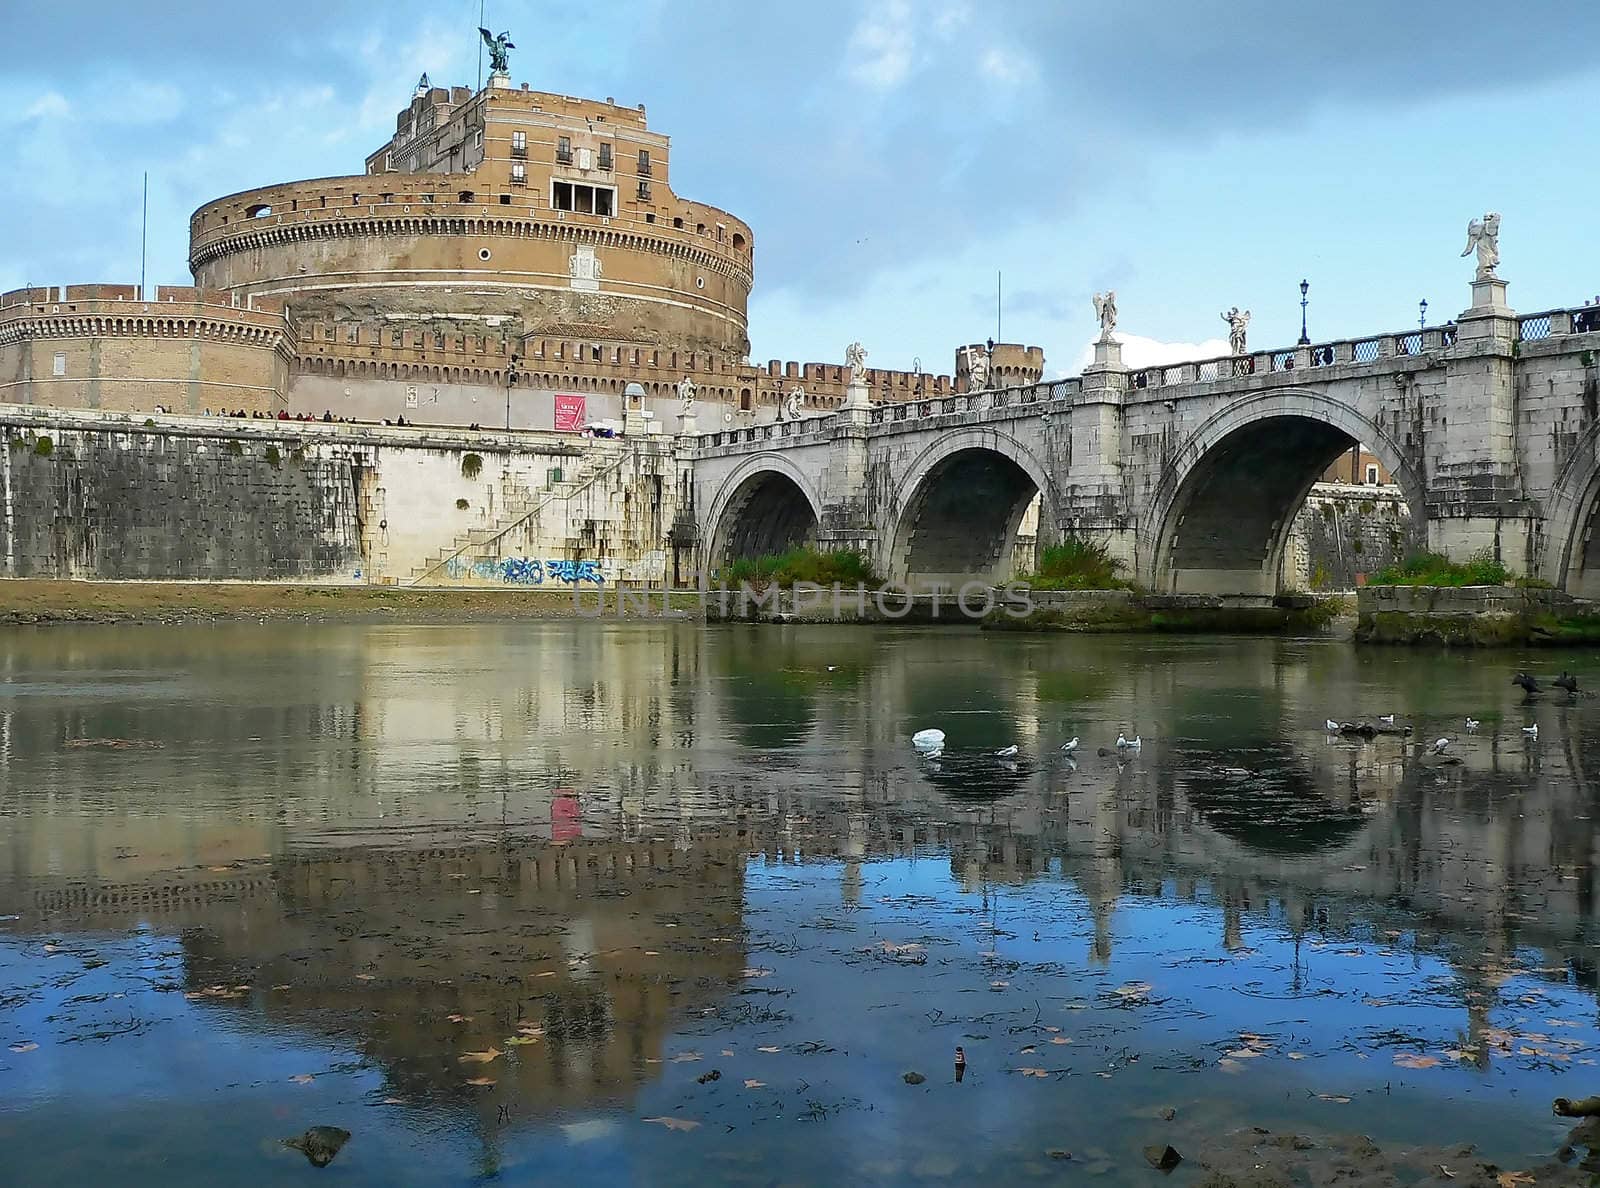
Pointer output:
x,y
391,899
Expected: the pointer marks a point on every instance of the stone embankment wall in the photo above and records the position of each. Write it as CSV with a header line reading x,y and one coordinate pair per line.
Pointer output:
x,y
1344,532
1474,616
92,496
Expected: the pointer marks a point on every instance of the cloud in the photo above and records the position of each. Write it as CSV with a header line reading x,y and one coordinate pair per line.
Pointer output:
x,y
50,105
879,53
1139,352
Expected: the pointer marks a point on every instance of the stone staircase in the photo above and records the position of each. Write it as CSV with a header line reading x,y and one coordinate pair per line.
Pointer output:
x,y
518,504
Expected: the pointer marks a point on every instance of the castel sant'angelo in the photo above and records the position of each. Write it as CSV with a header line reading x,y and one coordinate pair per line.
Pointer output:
x,y
510,258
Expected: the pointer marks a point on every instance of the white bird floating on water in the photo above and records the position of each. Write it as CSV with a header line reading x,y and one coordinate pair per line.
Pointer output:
x,y
1441,746
1070,745
1333,727
1386,719
1006,752
1531,731
928,740
1472,725
1124,745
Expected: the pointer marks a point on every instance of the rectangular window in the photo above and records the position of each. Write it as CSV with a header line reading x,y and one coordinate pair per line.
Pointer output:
x,y
477,138
644,162
583,199
519,173
564,150
352,334
1372,475
605,156
722,230
394,337
644,190
58,365
519,144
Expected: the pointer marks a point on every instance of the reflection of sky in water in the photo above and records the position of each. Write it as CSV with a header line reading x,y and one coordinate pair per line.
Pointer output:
x,y
386,798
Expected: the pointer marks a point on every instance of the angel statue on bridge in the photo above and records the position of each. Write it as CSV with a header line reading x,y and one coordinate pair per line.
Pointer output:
x,y
1105,309
499,60
686,391
791,406
855,358
1484,236
1237,325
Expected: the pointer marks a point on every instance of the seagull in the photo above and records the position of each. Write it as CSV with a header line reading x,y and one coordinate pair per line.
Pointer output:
x,y
1472,725
1386,719
1333,727
1070,745
1526,683
928,740
1531,731
1124,745
1006,752
1441,746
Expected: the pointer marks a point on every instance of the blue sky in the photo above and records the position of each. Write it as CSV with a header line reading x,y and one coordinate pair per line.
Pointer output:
x,y
892,155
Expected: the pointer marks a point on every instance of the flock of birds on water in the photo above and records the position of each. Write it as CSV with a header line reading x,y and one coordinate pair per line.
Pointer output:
x,y
929,743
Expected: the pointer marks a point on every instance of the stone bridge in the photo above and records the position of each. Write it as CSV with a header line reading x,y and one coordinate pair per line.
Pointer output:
x,y
1191,473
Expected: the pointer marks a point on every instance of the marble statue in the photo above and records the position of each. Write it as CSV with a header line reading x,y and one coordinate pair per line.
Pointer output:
x,y
1237,323
1105,308
499,60
977,369
686,391
1483,235
791,406
855,358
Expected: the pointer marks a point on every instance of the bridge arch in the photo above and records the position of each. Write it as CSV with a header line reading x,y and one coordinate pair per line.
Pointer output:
x,y
766,505
954,515
1220,516
1570,558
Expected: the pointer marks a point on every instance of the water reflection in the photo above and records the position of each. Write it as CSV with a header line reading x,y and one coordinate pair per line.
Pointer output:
x,y
482,883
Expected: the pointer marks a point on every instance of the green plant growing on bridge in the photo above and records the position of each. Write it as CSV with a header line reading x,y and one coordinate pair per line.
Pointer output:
x,y
1076,564
233,448
1435,569
471,466
149,423
44,447
843,567
461,505
273,456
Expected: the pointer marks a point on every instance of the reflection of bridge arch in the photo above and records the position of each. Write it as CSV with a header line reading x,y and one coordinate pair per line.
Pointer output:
x,y
955,511
766,505
1219,519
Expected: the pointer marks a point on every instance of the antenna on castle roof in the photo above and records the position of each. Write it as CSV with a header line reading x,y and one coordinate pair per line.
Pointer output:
x,y
480,45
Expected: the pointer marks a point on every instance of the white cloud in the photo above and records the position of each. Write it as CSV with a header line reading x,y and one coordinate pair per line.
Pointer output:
x,y
1007,65
50,105
1140,352
880,50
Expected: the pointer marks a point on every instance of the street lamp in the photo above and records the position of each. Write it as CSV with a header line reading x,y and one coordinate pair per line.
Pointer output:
x,y
1422,314
1305,339
511,379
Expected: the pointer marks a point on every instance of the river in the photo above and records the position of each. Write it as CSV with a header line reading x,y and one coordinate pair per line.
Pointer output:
x,y
499,900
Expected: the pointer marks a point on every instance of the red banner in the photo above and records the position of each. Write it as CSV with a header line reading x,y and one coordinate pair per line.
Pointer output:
x,y
570,413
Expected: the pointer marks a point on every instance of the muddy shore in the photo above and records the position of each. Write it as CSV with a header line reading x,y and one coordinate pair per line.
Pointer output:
x,y
30,601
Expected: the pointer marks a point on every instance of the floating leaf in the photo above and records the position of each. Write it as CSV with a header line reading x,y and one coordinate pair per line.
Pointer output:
x,y
1511,1179
483,1057
769,1049
1059,1039
481,1081
1245,1053
755,971
727,1051
302,1078
752,1083
686,1057
1412,1060
522,1039
459,1018
24,1046
1335,1097
998,985
1033,1072
1134,990
675,1123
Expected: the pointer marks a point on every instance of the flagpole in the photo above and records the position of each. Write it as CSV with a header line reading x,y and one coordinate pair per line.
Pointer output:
x,y
144,231
480,45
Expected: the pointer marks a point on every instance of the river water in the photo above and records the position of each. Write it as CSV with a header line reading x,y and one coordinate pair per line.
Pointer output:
x,y
499,900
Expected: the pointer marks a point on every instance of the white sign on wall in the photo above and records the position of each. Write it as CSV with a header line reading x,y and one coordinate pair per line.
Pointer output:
x,y
585,268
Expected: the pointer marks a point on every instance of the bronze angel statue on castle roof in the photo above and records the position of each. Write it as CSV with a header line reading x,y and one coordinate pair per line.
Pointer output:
x,y
499,62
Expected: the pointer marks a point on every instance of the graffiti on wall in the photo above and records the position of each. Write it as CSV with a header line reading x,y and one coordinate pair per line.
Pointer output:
x,y
525,571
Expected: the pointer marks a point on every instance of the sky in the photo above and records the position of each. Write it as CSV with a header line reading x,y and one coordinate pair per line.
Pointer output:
x,y
894,157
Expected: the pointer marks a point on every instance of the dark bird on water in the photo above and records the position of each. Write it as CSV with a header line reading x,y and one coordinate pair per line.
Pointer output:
x,y
1527,684
1566,681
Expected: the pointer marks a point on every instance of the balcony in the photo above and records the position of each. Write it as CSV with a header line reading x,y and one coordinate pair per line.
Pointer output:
x,y
605,159
644,191
644,168
564,156
519,152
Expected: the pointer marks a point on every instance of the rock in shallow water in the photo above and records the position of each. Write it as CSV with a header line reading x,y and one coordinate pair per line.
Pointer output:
x,y
320,1144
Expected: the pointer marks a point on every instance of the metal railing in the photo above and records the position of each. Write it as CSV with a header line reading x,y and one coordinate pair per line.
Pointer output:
x,y
1532,329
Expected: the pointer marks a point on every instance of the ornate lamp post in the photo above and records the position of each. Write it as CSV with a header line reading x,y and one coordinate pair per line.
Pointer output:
x,y
1422,314
1305,339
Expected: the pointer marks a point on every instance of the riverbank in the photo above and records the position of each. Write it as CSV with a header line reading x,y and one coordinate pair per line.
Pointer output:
x,y
1475,616
31,601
